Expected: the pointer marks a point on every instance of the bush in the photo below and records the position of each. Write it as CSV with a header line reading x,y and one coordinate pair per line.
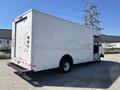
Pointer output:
x,y
111,50
5,56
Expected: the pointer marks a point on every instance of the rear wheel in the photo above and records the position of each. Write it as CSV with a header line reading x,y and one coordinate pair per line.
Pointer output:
x,y
65,65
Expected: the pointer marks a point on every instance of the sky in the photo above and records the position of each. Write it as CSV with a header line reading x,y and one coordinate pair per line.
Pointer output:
x,y
72,10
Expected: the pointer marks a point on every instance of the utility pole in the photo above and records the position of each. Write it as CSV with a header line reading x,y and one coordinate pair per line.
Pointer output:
x,y
91,17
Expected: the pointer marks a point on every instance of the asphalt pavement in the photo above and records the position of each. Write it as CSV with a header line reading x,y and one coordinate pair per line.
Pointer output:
x,y
104,75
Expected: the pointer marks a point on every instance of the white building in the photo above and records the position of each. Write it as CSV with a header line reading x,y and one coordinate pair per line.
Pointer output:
x,y
5,39
110,41
111,44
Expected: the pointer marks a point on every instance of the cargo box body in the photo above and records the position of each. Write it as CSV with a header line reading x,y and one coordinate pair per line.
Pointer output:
x,y
39,41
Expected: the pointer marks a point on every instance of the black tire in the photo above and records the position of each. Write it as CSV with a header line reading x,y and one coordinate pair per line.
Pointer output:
x,y
65,65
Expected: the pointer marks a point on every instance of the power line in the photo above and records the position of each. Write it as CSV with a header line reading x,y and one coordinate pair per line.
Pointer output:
x,y
86,1
51,11
14,3
11,9
56,3
26,5
63,5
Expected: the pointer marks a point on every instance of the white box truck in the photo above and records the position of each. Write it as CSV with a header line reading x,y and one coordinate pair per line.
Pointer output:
x,y
41,41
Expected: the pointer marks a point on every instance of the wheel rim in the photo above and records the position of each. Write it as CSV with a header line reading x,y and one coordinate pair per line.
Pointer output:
x,y
66,66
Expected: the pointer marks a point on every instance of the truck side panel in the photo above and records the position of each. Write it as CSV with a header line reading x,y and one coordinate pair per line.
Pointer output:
x,y
53,38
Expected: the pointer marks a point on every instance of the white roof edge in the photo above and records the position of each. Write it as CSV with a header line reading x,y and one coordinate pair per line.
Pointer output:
x,y
30,10
23,14
56,17
60,18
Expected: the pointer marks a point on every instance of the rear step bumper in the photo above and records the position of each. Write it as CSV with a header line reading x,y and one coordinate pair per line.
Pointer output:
x,y
16,67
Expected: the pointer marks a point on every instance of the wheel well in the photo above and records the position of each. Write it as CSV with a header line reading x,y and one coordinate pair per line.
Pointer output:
x,y
67,57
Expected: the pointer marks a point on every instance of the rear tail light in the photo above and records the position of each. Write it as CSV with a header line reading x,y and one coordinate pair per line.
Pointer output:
x,y
28,42
28,37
